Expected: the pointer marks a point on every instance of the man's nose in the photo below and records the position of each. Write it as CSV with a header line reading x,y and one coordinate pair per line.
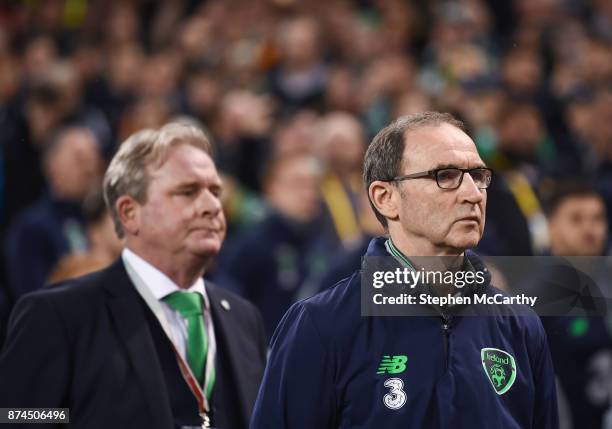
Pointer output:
x,y
208,204
468,191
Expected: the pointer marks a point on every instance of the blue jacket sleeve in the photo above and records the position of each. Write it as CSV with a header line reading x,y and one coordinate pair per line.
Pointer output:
x,y
546,414
297,389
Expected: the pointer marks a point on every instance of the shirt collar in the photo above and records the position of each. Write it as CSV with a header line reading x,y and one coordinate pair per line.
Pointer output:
x,y
159,284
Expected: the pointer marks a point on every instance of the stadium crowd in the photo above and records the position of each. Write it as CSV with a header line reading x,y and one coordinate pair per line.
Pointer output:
x,y
291,92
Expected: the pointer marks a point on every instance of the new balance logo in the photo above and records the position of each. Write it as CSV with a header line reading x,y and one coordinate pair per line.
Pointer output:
x,y
392,364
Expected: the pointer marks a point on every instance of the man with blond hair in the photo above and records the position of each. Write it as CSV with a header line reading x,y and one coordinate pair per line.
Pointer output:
x,y
145,342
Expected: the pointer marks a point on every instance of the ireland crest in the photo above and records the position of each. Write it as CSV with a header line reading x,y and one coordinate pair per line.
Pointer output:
x,y
499,367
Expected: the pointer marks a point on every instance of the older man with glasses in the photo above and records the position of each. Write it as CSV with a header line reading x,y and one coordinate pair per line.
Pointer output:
x,y
466,366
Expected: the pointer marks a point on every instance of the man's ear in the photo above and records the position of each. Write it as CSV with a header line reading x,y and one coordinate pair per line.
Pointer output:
x,y
382,196
128,210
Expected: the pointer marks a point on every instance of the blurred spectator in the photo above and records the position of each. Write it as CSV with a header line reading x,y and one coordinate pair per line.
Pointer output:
x,y
72,105
22,141
241,129
159,76
341,91
522,73
483,107
581,346
296,135
412,102
52,227
121,79
54,99
76,265
602,18
149,112
524,141
276,261
123,25
196,40
201,94
577,220
9,85
348,260
516,224
342,141
242,207
104,244
300,77
40,54
384,80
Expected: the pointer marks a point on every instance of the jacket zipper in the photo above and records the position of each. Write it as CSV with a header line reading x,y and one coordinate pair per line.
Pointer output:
x,y
445,334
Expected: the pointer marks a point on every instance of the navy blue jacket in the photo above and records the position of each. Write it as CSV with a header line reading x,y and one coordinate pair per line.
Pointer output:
x,y
324,363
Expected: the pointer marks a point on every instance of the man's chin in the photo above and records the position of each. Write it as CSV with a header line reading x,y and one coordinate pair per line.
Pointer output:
x,y
466,242
207,248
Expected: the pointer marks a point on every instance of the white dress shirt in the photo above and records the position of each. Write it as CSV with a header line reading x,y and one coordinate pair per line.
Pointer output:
x,y
158,285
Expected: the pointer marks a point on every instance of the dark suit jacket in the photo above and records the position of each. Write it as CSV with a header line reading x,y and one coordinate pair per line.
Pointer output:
x,y
86,345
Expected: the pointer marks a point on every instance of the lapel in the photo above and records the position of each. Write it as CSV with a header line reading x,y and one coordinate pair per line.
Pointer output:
x,y
126,308
228,346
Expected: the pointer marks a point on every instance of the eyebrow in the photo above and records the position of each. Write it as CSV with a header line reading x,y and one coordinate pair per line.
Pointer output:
x,y
439,166
195,184
186,185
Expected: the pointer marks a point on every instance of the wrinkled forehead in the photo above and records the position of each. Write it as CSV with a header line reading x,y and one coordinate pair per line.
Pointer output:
x,y
429,147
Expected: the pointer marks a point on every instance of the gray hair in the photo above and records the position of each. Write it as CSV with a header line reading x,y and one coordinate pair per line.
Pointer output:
x,y
383,159
127,172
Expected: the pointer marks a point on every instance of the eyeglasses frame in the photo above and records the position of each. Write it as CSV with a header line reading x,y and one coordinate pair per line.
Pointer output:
x,y
433,174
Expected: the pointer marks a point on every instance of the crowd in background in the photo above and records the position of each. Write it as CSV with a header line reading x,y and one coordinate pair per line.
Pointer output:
x,y
290,93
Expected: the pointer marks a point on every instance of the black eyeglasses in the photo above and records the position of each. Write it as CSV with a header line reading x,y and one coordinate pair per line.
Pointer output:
x,y
451,178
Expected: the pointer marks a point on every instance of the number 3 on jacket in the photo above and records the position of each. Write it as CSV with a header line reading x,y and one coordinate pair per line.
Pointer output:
x,y
396,398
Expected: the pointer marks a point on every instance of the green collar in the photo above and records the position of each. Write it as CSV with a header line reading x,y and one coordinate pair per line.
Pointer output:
x,y
398,255
403,260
